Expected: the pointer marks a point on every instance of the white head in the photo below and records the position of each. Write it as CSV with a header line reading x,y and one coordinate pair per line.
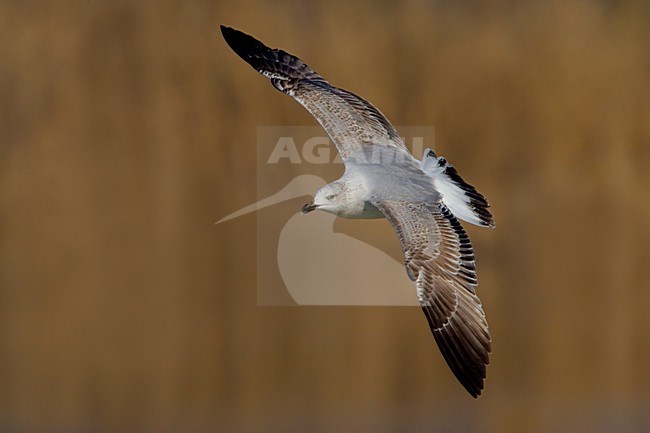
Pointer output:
x,y
335,198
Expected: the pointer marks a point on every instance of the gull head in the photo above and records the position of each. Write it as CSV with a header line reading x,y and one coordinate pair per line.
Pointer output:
x,y
336,198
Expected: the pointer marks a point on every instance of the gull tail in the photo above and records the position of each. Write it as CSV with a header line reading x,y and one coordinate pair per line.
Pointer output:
x,y
461,198
278,65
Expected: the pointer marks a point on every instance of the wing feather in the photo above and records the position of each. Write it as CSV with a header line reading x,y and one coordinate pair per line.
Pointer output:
x,y
438,256
352,123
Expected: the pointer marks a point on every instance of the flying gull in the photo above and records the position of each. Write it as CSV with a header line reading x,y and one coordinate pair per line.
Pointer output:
x,y
422,200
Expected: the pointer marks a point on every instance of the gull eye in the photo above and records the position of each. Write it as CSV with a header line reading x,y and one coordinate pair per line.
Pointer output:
x,y
331,196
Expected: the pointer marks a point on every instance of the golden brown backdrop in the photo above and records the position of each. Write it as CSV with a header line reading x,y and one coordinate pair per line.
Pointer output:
x,y
128,128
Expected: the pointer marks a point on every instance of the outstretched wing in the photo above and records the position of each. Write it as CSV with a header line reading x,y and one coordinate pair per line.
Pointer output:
x,y
439,258
352,123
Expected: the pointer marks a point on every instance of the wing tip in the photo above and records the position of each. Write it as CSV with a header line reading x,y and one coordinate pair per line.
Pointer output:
x,y
473,385
468,369
271,62
240,42
476,393
228,33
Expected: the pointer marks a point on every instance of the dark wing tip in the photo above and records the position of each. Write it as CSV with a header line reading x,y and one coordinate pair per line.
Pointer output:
x,y
229,34
466,354
273,63
242,44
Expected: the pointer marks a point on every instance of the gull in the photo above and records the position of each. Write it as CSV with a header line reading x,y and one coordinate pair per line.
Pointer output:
x,y
422,199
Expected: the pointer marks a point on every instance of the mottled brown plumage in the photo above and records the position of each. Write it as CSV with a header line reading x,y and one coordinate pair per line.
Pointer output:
x,y
437,252
348,119
439,258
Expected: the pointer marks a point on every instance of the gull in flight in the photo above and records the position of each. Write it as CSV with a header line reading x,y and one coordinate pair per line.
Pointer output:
x,y
422,200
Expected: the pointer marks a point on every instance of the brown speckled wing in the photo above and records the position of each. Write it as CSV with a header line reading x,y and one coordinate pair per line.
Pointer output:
x,y
439,258
351,122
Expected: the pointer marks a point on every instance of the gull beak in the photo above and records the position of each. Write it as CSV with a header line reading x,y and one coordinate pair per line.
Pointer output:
x,y
309,207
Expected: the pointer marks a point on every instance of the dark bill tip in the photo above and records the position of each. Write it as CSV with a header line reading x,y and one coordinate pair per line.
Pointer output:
x,y
308,207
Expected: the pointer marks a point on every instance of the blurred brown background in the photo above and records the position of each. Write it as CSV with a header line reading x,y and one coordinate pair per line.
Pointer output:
x,y
127,129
